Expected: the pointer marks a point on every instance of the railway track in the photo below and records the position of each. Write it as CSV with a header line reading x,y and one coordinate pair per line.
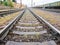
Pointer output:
x,y
52,10
5,12
28,29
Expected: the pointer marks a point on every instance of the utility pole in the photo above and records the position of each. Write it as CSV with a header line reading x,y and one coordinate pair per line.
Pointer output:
x,y
31,3
20,3
34,3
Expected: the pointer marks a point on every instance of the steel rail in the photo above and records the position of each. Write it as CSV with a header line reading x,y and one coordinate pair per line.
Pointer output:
x,y
5,30
46,22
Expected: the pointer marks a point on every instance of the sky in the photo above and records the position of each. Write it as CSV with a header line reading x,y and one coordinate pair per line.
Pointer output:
x,y
36,2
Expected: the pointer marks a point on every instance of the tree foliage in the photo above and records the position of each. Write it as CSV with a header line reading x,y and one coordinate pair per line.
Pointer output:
x,y
13,0
8,3
5,3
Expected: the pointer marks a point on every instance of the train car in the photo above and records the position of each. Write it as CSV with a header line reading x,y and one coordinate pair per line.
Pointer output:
x,y
55,5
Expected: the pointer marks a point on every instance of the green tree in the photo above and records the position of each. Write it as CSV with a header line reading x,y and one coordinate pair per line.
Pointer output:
x,y
5,3
13,0
8,3
1,1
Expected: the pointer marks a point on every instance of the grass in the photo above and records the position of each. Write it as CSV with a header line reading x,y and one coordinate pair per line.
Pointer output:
x,y
50,17
4,20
